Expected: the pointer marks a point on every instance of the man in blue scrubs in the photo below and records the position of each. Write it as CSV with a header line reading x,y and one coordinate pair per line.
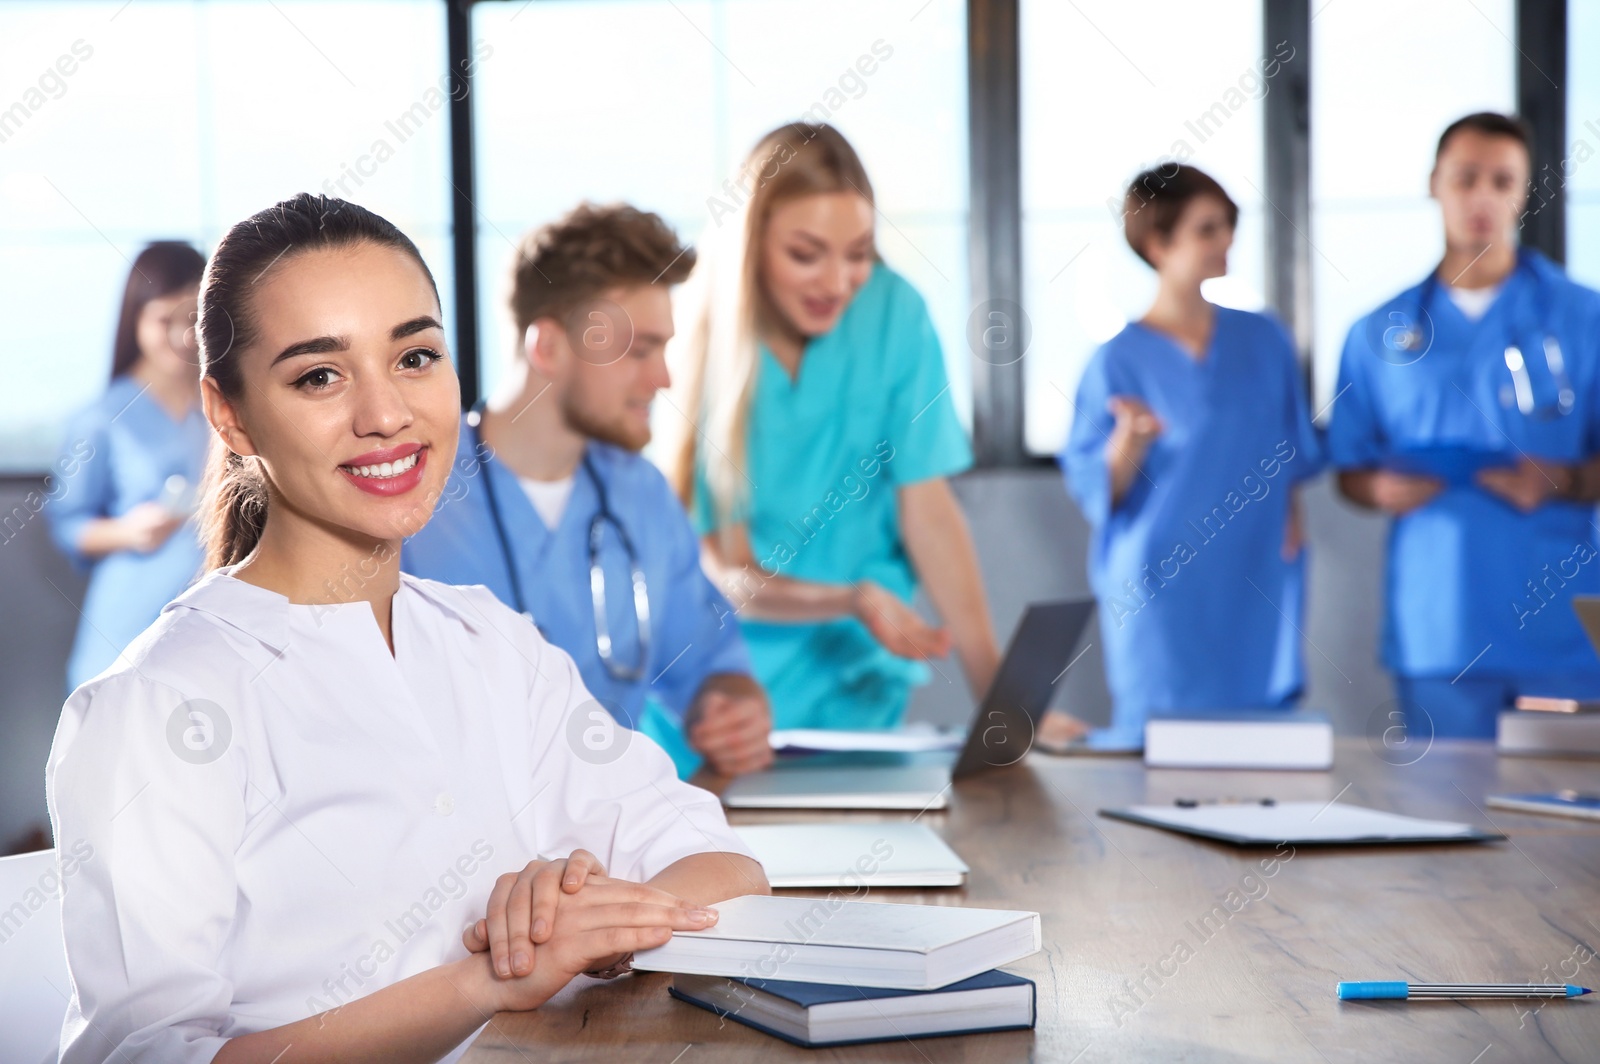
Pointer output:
x,y
550,490
1467,408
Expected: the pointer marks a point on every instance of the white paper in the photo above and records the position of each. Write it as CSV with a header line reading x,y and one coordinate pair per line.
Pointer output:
x,y
912,739
1302,821
838,854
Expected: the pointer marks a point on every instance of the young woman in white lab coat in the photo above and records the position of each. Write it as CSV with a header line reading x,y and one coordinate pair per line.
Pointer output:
x,y
316,794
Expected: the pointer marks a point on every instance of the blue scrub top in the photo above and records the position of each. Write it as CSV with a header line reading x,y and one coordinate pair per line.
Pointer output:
x,y
1468,574
692,631
1198,609
118,452
868,413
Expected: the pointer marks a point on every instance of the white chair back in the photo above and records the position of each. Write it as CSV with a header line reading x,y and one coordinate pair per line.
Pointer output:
x,y
34,988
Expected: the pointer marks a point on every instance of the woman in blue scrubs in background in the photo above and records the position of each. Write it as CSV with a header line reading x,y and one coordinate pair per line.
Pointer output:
x,y
137,451
817,474
1496,354
1189,441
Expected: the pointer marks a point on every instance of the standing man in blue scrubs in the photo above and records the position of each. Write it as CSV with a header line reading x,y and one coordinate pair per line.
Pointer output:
x,y
1467,409
550,495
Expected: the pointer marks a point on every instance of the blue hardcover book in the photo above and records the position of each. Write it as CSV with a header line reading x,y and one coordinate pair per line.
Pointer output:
x,y
820,1014
1557,803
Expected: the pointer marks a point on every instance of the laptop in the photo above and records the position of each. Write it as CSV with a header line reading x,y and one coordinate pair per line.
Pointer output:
x,y
1001,733
1587,607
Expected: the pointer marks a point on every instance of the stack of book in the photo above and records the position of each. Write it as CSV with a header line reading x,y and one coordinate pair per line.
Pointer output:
x,y
823,972
1558,727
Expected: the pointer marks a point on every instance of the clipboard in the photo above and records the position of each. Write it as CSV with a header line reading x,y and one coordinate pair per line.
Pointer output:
x,y
1457,465
1299,824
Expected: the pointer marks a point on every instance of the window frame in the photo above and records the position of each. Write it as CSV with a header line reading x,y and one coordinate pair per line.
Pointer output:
x,y
995,197
995,186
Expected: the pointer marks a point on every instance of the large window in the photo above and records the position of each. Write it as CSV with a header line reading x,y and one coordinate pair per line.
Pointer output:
x,y
123,123
1581,154
1380,99
658,103
1109,89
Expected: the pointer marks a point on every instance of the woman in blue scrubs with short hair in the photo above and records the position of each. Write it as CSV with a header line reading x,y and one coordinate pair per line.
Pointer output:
x,y
1468,410
1188,444
136,453
824,437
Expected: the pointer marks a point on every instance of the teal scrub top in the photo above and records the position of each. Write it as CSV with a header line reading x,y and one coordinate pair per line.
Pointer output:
x,y
868,412
1471,580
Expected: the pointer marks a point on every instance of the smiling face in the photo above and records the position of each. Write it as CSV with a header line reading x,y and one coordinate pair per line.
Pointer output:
x,y
609,361
1197,248
816,253
1481,183
349,398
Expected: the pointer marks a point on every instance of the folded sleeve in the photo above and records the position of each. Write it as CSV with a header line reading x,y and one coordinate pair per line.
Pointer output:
x,y
1083,458
612,791
923,429
1355,437
151,824
80,487
699,633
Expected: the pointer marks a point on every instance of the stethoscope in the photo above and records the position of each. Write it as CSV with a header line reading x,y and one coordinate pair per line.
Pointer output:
x,y
1409,338
597,575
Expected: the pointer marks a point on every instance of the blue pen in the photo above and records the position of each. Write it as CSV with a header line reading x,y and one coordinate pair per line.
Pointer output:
x,y
1400,991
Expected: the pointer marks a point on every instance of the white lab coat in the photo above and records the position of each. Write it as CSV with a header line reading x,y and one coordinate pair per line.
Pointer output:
x,y
283,817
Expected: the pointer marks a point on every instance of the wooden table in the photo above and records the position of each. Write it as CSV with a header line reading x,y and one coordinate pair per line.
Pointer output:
x,y
1257,984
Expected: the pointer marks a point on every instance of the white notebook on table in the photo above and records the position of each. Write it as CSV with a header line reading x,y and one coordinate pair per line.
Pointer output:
x,y
851,855
1240,739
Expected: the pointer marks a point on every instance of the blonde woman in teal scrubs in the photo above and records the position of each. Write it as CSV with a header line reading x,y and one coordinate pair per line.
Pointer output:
x,y
818,474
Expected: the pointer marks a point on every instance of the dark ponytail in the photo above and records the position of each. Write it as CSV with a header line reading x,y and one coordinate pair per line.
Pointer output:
x,y
162,269
234,510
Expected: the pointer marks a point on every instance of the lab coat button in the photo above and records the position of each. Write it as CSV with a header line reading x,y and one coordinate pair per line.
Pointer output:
x,y
444,805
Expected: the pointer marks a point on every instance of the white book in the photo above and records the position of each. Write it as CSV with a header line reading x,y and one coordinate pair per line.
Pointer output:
x,y
861,943
1551,734
1263,739
851,855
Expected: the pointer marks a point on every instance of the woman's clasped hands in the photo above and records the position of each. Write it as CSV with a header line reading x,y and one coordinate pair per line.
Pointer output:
x,y
556,919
